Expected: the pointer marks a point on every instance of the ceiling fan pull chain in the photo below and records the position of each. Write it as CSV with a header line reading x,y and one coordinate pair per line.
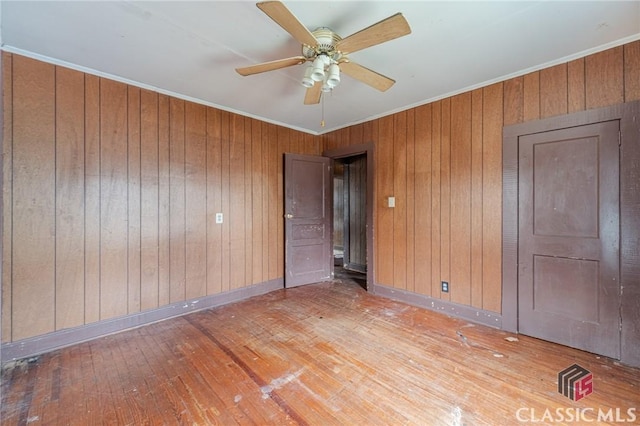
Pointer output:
x,y
322,106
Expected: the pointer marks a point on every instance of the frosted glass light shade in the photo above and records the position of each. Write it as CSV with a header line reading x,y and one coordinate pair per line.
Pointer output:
x,y
334,76
318,69
307,80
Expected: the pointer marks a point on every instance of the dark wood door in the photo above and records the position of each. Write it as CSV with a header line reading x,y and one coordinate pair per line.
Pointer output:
x,y
307,186
568,214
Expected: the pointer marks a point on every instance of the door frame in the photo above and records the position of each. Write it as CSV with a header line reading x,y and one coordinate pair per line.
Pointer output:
x,y
629,116
350,151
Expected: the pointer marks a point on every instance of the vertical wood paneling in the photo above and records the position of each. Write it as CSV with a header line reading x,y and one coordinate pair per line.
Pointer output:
x,y
70,196
274,159
460,285
436,190
266,197
384,185
92,199
445,195
248,203
164,200
7,194
224,199
369,129
335,140
553,91
177,217
476,191
33,242
257,210
400,193
306,144
128,184
422,190
295,142
236,202
604,79
214,201
149,201
513,101
356,134
632,71
346,139
411,200
492,115
329,140
575,85
531,96
113,199
196,200
225,135
133,198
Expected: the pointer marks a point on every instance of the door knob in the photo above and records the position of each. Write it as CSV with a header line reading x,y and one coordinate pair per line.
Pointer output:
x,y
288,216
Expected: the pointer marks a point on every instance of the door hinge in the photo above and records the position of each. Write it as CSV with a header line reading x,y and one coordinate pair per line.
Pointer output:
x,y
619,138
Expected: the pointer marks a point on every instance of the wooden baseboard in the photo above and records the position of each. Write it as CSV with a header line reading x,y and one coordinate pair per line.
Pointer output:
x,y
468,313
34,346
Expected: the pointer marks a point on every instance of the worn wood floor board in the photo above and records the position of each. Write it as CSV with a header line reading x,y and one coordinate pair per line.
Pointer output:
x,y
321,354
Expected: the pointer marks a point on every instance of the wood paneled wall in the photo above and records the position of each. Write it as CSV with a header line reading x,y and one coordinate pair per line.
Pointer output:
x,y
110,195
110,191
443,163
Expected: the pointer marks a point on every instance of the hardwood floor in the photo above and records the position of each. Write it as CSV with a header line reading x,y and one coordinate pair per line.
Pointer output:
x,y
321,354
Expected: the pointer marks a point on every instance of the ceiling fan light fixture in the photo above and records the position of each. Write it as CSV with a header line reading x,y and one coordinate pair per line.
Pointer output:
x,y
334,75
307,80
318,68
326,50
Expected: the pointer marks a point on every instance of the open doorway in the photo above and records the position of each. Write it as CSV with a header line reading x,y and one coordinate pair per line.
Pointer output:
x,y
353,219
350,218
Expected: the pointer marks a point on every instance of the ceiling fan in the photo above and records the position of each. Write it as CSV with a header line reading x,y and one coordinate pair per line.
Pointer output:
x,y
328,52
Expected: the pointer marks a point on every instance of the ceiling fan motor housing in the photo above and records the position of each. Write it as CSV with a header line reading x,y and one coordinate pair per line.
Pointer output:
x,y
327,41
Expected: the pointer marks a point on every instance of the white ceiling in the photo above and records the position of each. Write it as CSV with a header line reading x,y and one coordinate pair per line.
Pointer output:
x,y
191,49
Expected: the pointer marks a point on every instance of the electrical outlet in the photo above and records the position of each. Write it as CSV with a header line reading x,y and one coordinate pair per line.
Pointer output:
x,y
218,217
445,287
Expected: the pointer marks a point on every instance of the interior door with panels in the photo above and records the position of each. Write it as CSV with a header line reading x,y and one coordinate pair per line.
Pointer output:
x,y
308,215
569,237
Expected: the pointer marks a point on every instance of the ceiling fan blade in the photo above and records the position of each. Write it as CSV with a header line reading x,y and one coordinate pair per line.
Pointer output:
x,y
365,75
313,94
270,66
282,16
388,29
